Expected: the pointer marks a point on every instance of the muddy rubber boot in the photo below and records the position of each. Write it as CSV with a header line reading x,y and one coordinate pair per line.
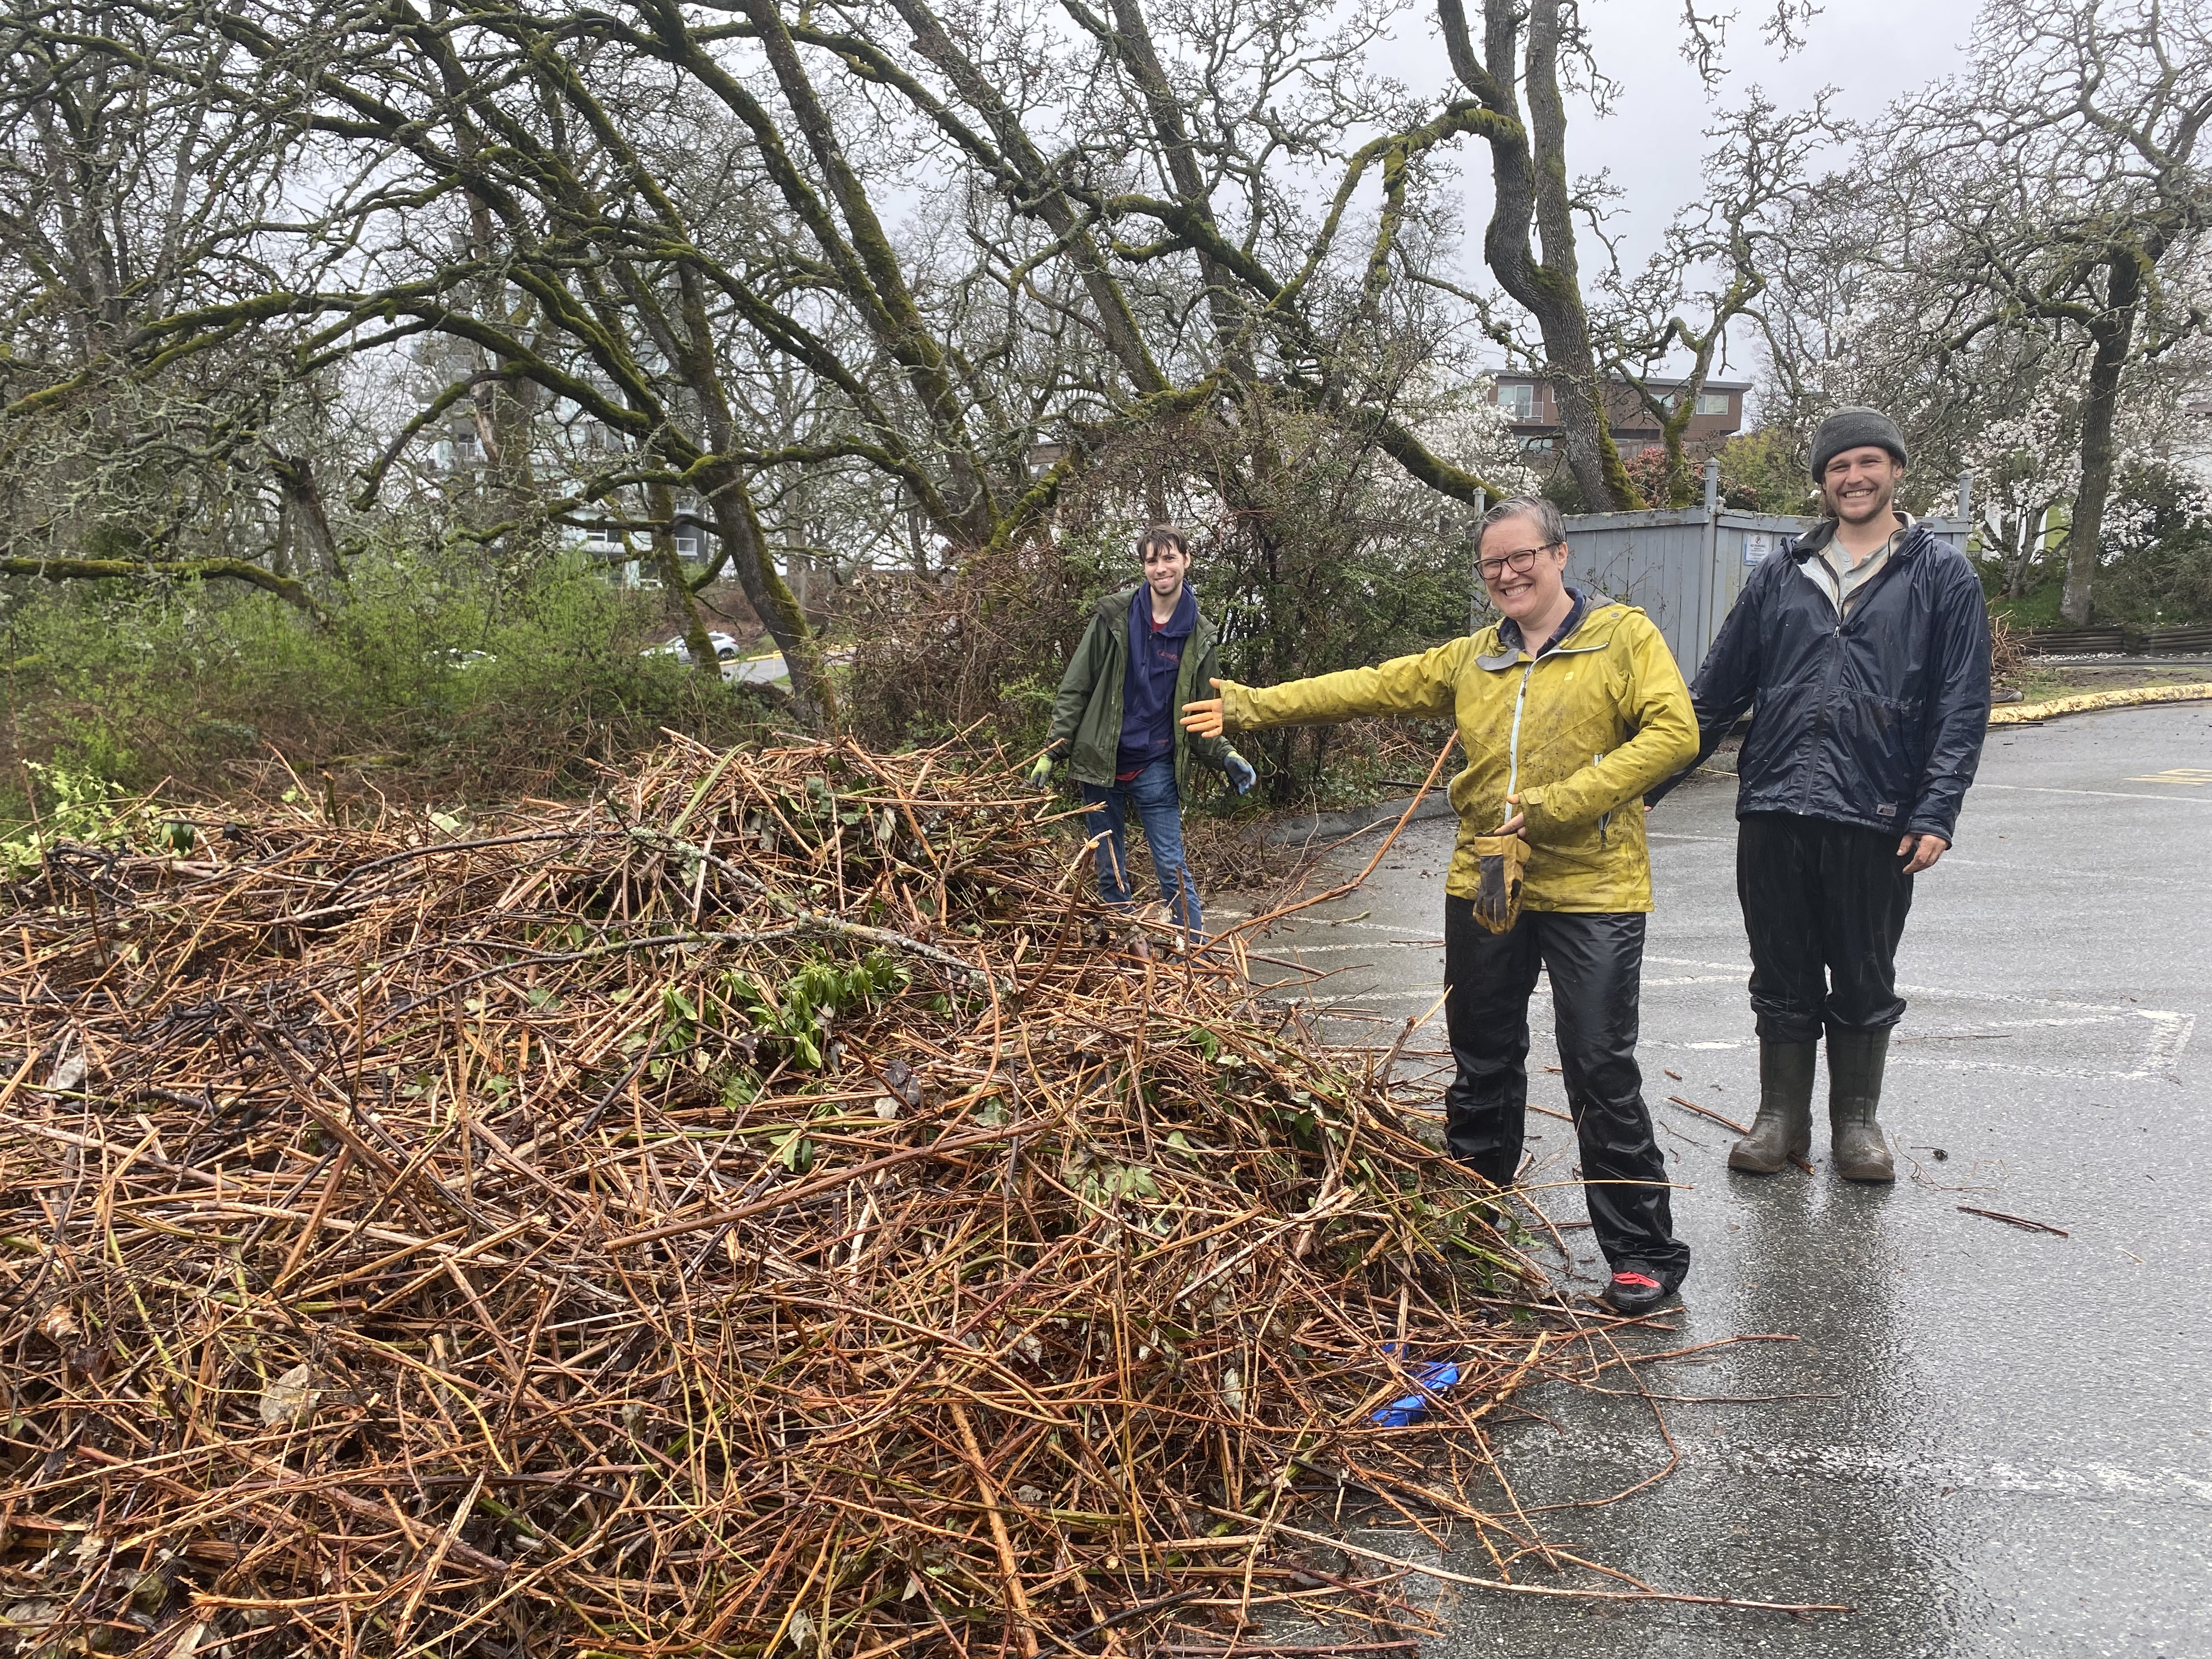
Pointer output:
x,y
1854,1065
1783,1127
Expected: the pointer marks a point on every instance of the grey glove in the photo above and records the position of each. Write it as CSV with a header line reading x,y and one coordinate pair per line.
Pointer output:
x,y
1241,777
1040,774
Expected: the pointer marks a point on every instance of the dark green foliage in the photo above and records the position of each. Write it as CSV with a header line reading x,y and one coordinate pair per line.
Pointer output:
x,y
2157,549
1560,489
1310,552
1326,565
1765,471
438,677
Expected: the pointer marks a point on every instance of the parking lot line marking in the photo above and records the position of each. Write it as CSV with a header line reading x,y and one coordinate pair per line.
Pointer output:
x,y
2195,776
2098,794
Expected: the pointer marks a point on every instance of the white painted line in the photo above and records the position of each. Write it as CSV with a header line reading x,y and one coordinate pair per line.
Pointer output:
x,y
1842,1459
1370,945
1950,991
2098,794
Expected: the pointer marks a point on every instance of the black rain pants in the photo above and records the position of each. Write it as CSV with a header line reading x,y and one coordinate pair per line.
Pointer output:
x,y
1595,964
1824,906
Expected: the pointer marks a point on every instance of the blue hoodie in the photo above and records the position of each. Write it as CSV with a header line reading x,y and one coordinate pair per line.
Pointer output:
x,y
1148,688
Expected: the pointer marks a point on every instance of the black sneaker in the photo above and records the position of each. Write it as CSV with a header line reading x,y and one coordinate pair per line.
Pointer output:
x,y
1636,1289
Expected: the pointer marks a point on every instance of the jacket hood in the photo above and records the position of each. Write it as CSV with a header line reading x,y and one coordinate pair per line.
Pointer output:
x,y
1180,624
1593,623
1113,609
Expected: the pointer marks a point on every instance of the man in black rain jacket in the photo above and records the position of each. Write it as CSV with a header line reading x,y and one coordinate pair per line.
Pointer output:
x,y
1862,649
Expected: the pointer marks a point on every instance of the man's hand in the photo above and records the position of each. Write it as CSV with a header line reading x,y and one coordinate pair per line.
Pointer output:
x,y
1040,774
1924,849
1513,826
1203,719
1241,774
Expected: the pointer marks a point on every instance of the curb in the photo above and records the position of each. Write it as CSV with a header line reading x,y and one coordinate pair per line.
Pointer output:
x,y
1335,826
2030,714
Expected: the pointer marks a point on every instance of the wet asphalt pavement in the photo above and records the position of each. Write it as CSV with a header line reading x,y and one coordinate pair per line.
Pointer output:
x,y
2001,1440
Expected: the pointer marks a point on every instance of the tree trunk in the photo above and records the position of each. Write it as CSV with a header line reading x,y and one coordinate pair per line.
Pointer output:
x,y
1532,192
305,512
770,597
2113,332
2016,542
668,564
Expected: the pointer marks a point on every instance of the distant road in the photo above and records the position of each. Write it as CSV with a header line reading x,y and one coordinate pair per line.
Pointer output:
x,y
769,670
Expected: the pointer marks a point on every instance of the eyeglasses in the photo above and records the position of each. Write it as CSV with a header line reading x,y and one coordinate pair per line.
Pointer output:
x,y
1520,564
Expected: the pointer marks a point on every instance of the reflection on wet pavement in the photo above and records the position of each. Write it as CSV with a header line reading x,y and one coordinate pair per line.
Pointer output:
x,y
1985,1441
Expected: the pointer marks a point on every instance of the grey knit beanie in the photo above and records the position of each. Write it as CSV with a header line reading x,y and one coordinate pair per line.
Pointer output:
x,y
1854,428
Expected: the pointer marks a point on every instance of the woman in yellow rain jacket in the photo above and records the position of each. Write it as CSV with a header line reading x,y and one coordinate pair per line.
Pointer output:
x,y
1569,708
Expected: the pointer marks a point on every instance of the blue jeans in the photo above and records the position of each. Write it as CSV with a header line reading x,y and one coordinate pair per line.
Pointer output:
x,y
1159,808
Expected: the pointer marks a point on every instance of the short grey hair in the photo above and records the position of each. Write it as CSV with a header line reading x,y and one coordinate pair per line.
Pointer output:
x,y
1548,523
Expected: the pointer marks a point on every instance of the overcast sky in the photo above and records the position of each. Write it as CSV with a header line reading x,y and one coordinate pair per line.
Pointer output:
x,y
1653,143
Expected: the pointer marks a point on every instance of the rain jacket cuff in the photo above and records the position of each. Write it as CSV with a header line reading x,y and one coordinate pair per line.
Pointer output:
x,y
1237,713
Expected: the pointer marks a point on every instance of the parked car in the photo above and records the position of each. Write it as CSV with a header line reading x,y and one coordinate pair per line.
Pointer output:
x,y
725,647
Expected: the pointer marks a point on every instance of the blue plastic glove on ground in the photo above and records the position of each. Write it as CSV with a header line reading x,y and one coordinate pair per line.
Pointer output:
x,y
1431,1378
1241,774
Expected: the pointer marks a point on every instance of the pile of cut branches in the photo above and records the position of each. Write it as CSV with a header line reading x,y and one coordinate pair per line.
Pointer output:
x,y
752,1212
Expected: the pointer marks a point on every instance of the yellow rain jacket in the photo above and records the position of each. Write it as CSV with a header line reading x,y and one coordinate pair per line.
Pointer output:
x,y
1579,733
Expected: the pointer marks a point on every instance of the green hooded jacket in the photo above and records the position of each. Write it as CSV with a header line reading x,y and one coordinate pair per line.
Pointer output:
x,y
1087,715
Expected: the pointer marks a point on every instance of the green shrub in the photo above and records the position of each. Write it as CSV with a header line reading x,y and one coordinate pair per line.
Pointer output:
x,y
2158,549
439,674
1328,558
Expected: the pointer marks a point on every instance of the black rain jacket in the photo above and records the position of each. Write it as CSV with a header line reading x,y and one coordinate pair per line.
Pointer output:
x,y
1876,718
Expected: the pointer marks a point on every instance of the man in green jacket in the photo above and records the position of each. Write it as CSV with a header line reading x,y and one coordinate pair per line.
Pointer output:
x,y
1145,654
1569,708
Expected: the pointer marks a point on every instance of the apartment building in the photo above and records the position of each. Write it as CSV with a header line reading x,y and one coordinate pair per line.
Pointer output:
x,y
1532,409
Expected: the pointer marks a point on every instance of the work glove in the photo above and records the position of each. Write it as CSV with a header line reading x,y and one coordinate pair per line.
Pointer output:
x,y
1040,774
1241,774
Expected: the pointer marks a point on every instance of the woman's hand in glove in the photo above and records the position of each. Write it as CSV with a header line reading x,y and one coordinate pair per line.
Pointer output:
x,y
1241,774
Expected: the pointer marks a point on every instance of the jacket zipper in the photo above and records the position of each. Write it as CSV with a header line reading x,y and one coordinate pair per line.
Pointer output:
x,y
1836,667
1513,743
1604,819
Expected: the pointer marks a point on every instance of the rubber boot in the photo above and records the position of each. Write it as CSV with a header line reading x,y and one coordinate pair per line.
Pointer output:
x,y
1783,1128
1854,1065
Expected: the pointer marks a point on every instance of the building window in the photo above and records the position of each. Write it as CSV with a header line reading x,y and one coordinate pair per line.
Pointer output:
x,y
1519,402
1712,403
1536,445
687,543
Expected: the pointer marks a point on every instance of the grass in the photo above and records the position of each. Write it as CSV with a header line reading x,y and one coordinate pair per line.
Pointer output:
x,y
2042,683
2038,608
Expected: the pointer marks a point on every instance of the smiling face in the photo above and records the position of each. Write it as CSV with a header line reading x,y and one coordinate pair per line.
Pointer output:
x,y
1527,581
1166,567
1860,483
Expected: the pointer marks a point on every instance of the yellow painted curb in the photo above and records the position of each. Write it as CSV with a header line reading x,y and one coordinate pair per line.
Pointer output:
x,y
2018,713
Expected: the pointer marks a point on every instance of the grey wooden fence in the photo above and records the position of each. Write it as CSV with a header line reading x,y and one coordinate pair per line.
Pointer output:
x,y
1686,566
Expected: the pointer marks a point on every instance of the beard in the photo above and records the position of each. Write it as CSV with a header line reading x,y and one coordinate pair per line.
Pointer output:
x,y
1886,500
